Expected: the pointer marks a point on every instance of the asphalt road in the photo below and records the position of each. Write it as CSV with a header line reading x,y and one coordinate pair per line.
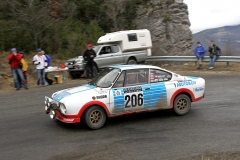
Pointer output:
x,y
211,126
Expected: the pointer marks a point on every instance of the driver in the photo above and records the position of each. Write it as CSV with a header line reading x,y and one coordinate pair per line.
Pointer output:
x,y
131,79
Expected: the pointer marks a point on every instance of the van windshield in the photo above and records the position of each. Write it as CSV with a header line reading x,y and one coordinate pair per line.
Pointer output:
x,y
106,78
96,48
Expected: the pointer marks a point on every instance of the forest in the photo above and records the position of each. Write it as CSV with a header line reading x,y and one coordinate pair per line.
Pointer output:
x,y
62,27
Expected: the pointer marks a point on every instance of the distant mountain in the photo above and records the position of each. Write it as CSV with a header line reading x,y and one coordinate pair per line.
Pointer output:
x,y
227,38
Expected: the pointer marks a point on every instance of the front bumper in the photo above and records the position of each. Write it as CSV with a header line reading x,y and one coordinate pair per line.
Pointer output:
x,y
76,67
53,109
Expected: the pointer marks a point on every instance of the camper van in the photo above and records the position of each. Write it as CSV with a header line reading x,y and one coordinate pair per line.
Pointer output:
x,y
117,48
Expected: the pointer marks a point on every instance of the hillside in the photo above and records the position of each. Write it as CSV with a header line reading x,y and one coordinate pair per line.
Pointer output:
x,y
227,38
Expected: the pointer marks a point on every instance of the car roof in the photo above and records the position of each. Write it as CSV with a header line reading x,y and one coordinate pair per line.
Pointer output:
x,y
136,66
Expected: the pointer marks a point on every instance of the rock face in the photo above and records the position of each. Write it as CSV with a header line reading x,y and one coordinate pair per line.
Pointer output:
x,y
167,21
169,25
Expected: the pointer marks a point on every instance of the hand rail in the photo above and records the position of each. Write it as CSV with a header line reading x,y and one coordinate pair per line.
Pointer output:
x,y
191,59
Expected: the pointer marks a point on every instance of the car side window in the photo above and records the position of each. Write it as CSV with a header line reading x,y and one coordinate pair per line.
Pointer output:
x,y
136,77
157,75
114,49
119,82
106,50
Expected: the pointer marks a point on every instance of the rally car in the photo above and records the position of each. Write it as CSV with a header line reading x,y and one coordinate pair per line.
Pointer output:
x,y
125,89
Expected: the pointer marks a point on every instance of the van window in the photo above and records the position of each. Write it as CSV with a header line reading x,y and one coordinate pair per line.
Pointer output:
x,y
132,37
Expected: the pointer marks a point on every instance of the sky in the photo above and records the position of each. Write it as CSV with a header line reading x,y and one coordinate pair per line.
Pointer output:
x,y
207,14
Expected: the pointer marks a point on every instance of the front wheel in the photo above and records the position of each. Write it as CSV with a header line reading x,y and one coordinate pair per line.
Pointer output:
x,y
94,117
131,61
182,104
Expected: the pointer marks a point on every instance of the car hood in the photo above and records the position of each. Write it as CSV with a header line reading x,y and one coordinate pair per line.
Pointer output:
x,y
80,58
58,96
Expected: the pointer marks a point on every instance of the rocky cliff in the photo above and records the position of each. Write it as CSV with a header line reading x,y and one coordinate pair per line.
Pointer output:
x,y
169,25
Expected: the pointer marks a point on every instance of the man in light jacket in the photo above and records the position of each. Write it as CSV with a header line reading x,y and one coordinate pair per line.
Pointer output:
x,y
41,63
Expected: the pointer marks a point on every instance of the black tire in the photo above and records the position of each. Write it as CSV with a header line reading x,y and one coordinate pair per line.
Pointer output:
x,y
132,61
94,117
182,104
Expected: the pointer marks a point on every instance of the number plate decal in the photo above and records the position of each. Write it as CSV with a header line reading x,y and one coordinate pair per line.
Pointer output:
x,y
133,97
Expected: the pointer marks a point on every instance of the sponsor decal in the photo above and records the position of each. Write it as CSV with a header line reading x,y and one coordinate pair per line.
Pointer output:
x,y
192,77
160,79
102,92
198,89
186,83
132,89
169,76
102,97
68,120
118,93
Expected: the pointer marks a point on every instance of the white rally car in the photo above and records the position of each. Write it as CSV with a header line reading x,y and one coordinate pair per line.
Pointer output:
x,y
125,89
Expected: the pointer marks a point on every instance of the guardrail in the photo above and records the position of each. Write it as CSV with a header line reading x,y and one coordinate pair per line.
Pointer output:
x,y
170,59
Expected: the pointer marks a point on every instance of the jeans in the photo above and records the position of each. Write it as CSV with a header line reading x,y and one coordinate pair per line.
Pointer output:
x,y
41,76
17,72
199,61
212,60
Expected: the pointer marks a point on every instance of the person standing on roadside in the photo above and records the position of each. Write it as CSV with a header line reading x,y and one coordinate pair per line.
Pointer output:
x,y
24,67
49,59
15,61
89,56
40,61
215,52
199,53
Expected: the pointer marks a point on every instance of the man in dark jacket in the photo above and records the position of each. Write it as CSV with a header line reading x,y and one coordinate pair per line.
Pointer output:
x,y
89,56
214,51
199,53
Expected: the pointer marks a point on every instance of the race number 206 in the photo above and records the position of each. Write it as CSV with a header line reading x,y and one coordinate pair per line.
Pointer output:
x,y
133,100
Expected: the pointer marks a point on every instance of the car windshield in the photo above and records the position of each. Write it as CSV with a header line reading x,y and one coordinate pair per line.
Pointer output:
x,y
96,48
106,78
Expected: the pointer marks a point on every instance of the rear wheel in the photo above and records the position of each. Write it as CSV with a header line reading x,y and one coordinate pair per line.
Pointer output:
x,y
75,74
182,104
94,117
131,61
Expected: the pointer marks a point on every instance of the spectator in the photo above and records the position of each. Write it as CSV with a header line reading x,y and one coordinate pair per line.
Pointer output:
x,y
24,67
199,53
41,62
215,52
49,59
89,56
15,60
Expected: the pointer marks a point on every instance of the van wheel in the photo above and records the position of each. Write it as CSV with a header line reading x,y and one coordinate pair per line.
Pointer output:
x,y
182,104
94,72
131,61
94,117
75,74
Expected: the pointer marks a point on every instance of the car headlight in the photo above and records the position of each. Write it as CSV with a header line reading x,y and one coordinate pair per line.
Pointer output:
x,y
62,108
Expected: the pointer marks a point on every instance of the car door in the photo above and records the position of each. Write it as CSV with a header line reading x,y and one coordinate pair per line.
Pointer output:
x,y
159,81
131,91
109,55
